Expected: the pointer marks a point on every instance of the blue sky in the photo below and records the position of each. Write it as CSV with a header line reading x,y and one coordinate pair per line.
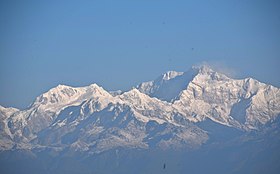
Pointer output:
x,y
119,44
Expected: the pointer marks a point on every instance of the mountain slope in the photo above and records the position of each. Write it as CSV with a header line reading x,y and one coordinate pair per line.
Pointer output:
x,y
167,86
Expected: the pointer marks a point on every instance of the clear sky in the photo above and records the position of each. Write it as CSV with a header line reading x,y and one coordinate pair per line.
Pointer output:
x,y
118,44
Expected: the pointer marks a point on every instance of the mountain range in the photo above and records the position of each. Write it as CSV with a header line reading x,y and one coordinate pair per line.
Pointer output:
x,y
180,111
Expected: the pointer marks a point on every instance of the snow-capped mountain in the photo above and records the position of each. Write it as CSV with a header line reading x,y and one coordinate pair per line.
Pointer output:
x,y
202,93
164,113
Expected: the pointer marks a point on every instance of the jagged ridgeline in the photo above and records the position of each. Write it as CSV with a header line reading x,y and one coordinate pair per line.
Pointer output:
x,y
187,115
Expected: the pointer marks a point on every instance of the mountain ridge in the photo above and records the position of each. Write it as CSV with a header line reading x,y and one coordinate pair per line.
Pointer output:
x,y
161,113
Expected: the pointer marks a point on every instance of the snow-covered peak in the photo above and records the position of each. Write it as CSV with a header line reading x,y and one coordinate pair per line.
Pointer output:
x,y
61,86
133,94
57,95
96,90
8,111
206,73
229,101
140,100
62,95
94,85
170,75
203,68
